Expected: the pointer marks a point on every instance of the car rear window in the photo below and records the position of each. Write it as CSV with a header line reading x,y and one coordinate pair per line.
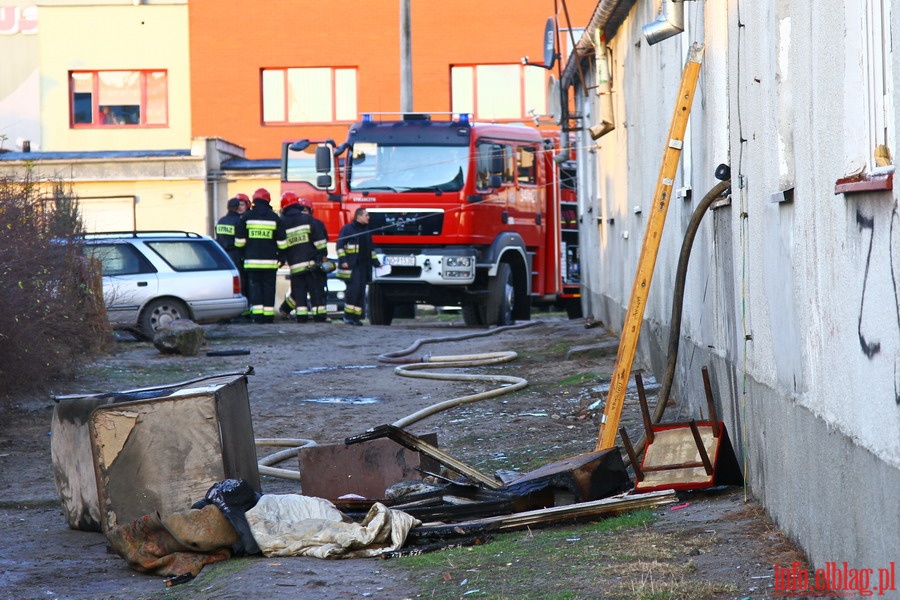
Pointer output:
x,y
195,255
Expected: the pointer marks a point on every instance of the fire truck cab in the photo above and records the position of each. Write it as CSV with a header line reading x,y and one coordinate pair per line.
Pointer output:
x,y
461,213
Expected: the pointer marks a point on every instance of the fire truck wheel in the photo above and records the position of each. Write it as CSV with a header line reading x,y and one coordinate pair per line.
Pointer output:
x,y
573,308
473,315
501,297
380,311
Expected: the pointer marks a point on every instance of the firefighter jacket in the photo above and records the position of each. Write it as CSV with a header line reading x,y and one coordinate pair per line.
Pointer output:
x,y
300,253
320,238
261,235
225,229
354,247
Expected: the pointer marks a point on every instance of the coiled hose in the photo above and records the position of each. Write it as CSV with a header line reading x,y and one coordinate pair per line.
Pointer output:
x,y
409,368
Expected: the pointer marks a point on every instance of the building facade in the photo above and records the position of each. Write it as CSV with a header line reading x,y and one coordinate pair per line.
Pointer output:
x,y
229,82
792,294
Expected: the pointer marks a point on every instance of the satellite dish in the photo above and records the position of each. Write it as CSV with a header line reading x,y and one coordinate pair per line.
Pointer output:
x,y
554,103
550,43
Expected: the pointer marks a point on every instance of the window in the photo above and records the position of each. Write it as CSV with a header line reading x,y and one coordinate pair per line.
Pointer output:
x,y
314,95
408,167
191,256
119,259
494,161
570,38
869,138
527,165
119,98
499,92
878,82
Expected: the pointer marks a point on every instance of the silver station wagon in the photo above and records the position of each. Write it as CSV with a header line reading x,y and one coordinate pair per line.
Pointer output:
x,y
151,278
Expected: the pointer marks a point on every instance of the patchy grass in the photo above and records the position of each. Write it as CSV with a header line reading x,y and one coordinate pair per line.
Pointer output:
x,y
519,454
578,379
617,558
153,373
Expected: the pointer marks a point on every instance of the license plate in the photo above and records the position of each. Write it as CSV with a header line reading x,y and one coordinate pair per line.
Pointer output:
x,y
331,307
400,261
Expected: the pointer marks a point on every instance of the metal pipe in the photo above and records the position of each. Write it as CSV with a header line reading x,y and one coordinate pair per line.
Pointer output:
x,y
669,22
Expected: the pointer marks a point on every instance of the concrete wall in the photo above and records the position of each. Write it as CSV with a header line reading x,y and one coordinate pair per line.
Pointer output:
x,y
114,37
793,305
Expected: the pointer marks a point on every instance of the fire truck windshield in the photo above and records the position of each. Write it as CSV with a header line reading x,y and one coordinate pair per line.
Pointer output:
x,y
408,168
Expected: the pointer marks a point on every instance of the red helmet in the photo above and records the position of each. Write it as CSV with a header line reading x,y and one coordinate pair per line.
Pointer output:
x,y
262,194
305,203
243,198
287,199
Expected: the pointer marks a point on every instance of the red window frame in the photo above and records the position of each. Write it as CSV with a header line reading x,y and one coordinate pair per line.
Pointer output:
x,y
286,107
523,114
95,107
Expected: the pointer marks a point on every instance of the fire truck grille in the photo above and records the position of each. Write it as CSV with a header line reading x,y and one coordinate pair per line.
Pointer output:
x,y
406,223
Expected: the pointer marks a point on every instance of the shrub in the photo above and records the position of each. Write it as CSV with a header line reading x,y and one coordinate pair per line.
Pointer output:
x,y
52,316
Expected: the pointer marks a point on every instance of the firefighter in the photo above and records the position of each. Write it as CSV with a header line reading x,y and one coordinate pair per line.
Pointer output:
x,y
356,257
301,256
260,234
323,266
225,229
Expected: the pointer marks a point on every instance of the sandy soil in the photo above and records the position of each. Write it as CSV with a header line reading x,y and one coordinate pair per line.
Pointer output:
x,y
324,382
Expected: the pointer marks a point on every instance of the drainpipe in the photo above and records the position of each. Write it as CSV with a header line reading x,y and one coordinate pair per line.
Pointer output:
x,y
669,22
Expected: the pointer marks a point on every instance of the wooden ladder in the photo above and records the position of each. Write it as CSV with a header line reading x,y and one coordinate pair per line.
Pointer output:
x,y
631,329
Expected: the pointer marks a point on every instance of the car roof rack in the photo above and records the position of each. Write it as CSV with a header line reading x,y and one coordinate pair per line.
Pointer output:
x,y
140,234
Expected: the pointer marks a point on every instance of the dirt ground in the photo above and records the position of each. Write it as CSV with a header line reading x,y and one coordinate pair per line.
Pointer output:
x,y
325,382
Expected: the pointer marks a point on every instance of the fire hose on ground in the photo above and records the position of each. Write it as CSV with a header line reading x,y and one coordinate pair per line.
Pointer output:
x,y
414,367
410,366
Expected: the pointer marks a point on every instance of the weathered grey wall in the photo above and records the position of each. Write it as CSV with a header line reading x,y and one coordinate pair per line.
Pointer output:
x,y
793,292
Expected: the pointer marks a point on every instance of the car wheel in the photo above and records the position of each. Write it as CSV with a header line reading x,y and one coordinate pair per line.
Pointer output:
x,y
159,313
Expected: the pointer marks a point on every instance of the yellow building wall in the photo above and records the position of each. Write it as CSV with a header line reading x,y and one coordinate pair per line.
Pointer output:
x,y
125,37
175,205
235,185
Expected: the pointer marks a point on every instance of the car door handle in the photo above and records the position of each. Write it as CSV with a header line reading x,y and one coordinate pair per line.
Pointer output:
x,y
142,284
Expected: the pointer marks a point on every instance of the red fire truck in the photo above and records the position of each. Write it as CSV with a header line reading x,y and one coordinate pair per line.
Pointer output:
x,y
464,214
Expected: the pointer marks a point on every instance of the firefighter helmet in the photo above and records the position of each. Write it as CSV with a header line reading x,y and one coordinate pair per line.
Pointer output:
x,y
262,194
305,203
287,199
236,201
327,266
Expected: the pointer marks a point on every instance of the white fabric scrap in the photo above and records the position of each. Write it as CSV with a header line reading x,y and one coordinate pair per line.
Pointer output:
x,y
295,525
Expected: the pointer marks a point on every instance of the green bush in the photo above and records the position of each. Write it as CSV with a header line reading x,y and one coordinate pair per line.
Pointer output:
x,y
52,316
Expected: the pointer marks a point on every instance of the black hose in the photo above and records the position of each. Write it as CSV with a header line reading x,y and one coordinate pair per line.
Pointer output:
x,y
678,300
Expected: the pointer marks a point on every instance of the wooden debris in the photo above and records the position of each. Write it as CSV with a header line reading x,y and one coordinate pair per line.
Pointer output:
x,y
413,443
546,516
